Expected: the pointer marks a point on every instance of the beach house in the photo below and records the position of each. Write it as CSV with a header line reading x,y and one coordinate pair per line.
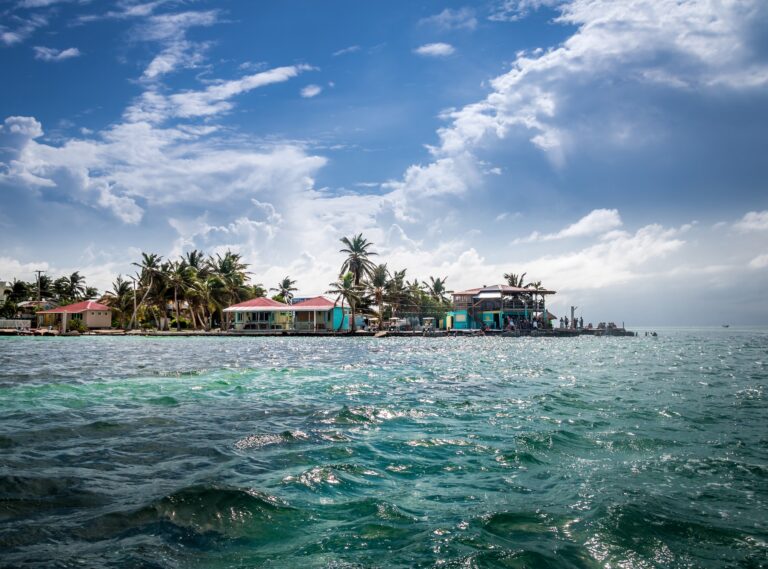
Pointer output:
x,y
92,314
319,314
495,306
261,314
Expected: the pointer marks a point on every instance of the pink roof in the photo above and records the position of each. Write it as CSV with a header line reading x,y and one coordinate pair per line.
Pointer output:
x,y
316,303
76,308
257,303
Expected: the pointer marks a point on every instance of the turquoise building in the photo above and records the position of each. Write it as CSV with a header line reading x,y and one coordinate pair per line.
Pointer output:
x,y
494,307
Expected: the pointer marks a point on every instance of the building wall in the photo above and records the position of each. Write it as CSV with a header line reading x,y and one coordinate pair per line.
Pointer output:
x,y
98,318
340,318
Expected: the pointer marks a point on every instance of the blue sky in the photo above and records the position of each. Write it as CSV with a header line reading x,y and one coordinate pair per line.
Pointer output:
x,y
613,150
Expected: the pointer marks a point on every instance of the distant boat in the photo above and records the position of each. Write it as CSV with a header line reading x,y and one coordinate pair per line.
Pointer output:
x,y
726,325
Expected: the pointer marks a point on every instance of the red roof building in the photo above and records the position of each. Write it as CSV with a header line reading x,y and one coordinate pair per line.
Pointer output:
x,y
78,308
90,313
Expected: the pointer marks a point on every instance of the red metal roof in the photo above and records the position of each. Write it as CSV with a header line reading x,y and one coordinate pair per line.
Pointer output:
x,y
316,303
76,308
257,303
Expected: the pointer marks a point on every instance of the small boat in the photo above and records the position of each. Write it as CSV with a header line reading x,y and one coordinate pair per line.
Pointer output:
x,y
726,325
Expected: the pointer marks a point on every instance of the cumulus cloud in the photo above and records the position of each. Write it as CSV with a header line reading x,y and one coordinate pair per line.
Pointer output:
x,y
311,91
435,50
449,19
753,221
51,54
595,222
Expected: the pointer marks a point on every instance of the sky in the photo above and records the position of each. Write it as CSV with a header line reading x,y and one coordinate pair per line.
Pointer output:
x,y
614,150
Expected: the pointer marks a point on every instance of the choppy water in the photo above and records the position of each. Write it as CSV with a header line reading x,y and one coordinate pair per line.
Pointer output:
x,y
476,452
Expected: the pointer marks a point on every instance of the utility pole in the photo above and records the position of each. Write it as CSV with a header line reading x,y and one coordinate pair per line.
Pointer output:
x,y
39,293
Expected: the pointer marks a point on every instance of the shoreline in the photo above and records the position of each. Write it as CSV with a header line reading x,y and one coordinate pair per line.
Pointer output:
x,y
555,333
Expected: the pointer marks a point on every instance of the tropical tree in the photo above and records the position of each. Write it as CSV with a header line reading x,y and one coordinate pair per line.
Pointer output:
x,y
178,276
514,279
378,286
149,275
75,286
20,290
285,289
357,261
436,288
258,290
345,289
120,299
231,271
43,288
396,293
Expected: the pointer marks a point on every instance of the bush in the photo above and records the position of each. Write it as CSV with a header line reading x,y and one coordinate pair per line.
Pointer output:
x,y
76,325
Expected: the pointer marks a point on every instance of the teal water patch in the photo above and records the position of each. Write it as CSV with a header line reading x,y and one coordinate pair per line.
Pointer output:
x,y
394,452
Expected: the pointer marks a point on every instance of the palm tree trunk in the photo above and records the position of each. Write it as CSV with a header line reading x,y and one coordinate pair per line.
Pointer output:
x,y
176,304
143,299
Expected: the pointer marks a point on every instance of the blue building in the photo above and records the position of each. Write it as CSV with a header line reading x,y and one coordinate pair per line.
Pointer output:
x,y
494,307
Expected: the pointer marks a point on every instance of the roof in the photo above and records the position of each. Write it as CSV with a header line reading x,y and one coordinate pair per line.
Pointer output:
x,y
318,303
76,308
259,305
499,289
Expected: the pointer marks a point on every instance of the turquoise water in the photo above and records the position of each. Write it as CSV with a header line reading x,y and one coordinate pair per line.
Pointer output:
x,y
424,452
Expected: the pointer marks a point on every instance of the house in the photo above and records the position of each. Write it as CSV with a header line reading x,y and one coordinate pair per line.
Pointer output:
x,y
495,306
92,314
320,314
261,314
6,289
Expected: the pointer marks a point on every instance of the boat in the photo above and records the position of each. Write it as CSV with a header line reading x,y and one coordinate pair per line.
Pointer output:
x,y
726,325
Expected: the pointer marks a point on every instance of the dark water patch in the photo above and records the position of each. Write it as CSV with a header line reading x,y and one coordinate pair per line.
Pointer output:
x,y
214,512
22,496
165,401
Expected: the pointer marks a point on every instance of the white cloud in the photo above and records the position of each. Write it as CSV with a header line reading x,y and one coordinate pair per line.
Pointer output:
x,y
153,106
346,50
513,10
595,222
435,49
759,262
22,28
753,221
311,91
449,19
51,54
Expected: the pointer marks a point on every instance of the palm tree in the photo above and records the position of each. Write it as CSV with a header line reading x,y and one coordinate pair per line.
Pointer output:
x,y
357,261
436,288
120,298
285,289
346,289
231,270
149,274
515,280
76,286
43,288
396,292
378,286
178,277
258,290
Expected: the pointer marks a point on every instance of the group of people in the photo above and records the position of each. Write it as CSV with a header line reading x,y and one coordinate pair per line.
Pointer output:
x,y
578,323
522,324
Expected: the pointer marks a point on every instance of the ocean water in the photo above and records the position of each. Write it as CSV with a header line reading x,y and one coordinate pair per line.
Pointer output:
x,y
425,452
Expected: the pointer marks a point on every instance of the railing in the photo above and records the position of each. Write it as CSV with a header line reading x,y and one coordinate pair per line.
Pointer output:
x,y
15,324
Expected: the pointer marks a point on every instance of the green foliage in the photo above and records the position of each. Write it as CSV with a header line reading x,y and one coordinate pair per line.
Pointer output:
x,y
76,325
